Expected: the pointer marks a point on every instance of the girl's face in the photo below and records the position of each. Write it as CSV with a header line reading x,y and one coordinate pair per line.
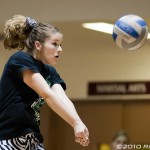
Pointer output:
x,y
49,52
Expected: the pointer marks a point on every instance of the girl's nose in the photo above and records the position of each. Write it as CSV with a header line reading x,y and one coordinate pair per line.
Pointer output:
x,y
59,49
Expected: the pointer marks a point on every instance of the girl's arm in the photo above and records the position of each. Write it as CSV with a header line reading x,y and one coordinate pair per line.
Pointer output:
x,y
58,101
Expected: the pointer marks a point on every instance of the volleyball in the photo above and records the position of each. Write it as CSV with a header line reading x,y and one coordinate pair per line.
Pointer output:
x,y
130,32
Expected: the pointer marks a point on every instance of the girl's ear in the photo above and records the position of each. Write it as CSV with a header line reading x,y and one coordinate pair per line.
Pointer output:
x,y
38,45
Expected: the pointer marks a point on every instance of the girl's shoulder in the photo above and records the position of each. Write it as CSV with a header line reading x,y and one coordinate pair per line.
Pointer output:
x,y
20,54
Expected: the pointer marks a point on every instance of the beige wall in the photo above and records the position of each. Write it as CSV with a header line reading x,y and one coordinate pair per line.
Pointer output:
x,y
93,56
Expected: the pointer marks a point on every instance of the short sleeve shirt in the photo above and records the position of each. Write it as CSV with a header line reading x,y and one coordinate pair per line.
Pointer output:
x,y
19,104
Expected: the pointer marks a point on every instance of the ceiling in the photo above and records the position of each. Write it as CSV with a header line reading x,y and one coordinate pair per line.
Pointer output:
x,y
74,12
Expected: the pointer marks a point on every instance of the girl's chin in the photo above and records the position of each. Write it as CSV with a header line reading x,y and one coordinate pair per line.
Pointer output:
x,y
53,63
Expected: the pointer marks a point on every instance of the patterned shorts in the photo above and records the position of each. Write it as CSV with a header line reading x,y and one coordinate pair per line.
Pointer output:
x,y
27,142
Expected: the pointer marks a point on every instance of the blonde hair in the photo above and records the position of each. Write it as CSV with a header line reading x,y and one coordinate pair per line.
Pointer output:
x,y
120,133
21,32
14,32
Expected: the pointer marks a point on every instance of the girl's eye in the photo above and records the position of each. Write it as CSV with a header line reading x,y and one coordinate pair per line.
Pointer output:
x,y
55,44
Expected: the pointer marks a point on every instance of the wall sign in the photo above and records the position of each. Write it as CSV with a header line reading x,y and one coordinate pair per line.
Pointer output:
x,y
118,88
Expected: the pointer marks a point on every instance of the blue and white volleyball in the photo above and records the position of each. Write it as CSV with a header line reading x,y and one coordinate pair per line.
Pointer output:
x,y
130,32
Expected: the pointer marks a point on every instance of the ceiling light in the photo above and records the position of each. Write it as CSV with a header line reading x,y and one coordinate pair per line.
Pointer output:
x,y
99,26
102,27
148,37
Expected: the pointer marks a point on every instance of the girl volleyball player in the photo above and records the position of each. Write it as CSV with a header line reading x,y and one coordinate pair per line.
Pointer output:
x,y
28,81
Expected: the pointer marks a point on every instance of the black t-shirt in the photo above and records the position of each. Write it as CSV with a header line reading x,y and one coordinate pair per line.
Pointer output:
x,y
19,104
